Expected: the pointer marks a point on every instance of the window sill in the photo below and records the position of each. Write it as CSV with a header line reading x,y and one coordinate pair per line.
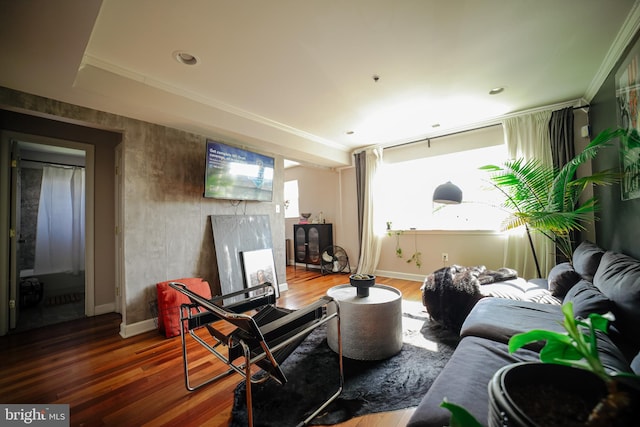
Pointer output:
x,y
420,232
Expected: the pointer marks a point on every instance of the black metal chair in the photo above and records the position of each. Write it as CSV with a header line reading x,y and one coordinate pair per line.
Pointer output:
x,y
257,335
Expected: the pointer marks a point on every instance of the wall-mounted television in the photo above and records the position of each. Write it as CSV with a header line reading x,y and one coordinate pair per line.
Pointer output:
x,y
235,174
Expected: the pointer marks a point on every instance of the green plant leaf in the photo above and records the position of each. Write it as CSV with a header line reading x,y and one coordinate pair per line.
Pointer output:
x,y
460,417
520,340
562,353
600,322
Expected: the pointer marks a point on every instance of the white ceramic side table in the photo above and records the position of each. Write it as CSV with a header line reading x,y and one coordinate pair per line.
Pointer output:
x,y
371,326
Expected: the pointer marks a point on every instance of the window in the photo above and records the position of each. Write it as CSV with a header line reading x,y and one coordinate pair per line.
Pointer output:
x,y
291,209
404,191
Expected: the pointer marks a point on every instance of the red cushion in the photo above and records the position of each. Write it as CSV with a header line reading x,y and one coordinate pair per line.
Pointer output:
x,y
170,300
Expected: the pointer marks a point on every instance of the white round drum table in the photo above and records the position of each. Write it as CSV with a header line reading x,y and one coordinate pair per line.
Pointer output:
x,y
371,326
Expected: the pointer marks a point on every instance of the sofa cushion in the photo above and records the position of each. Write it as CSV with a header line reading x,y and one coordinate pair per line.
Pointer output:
x,y
515,289
542,296
464,381
587,299
499,319
618,277
539,282
561,278
586,259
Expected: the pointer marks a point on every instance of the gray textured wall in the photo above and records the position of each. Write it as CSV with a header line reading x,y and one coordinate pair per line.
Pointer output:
x,y
166,230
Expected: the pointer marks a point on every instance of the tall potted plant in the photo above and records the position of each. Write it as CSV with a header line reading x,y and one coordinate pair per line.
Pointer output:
x,y
548,200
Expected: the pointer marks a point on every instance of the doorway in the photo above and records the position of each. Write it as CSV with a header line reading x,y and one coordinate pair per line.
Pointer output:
x,y
49,281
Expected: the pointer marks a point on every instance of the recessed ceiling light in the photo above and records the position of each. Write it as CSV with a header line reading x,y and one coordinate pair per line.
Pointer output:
x,y
349,132
435,125
185,58
496,90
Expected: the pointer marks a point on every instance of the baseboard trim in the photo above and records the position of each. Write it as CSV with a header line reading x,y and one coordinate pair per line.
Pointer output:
x,y
127,331
403,276
104,309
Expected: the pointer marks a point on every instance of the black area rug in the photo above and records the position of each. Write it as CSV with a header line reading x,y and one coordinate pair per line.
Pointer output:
x,y
370,386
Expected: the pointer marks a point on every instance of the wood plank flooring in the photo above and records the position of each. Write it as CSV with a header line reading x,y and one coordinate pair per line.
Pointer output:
x,y
111,381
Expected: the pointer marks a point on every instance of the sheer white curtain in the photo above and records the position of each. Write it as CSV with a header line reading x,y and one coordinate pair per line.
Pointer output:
x,y
61,221
527,137
371,240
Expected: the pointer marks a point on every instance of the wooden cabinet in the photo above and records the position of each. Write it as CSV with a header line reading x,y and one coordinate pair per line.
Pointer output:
x,y
310,240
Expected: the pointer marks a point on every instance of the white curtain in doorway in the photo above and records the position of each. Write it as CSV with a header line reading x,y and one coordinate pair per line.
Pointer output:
x,y
61,221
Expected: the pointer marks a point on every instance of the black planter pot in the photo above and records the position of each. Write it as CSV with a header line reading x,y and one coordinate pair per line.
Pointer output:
x,y
519,394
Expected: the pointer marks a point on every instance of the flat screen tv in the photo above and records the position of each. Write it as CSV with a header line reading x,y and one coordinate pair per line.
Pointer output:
x,y
235,174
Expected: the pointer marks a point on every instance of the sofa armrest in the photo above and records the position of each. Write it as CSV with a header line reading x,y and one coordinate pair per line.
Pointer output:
x,y
499,319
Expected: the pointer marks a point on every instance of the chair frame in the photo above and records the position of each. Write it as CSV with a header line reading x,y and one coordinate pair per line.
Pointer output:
x,y
274,336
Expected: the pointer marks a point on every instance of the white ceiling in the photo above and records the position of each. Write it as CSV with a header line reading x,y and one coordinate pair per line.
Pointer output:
x,y
292,77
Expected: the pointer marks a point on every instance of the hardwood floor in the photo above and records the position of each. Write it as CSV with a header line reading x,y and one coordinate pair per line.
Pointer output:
x,y
110,381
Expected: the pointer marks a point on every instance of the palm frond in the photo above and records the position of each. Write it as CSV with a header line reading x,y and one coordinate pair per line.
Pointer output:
x,y
524,183
564,245
607,177
546,199
559,222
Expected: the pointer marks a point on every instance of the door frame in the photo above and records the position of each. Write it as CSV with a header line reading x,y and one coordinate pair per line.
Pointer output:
x,y
5,207
5,214
15,195
120,296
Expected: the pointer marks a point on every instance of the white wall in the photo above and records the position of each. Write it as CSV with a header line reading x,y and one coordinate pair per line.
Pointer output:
x,y
463,248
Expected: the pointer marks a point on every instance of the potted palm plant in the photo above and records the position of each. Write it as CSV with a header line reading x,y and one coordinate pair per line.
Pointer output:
x,y
547,200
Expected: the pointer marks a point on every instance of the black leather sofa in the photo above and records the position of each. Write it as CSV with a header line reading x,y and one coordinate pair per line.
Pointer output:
x,y
597,281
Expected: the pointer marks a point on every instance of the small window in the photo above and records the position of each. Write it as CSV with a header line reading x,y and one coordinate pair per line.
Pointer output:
x,y
291,209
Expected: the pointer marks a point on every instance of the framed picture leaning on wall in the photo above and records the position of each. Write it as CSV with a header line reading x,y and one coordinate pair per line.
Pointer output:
x,y
259,268
628,113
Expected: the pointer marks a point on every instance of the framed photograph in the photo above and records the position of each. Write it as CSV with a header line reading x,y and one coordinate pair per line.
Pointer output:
x,y
259,268
628,112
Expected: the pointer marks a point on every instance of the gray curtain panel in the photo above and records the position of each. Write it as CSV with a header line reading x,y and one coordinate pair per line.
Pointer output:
x,y
562,148
361,174
561,135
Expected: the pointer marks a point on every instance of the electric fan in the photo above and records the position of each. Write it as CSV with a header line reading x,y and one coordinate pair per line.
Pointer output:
x,y
334,260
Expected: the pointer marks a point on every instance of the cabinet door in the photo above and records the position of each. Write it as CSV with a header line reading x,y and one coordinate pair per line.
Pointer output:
x,y
313,245
300,240
326,236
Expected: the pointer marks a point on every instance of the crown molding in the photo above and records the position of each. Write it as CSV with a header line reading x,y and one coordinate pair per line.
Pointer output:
x,y
626,34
